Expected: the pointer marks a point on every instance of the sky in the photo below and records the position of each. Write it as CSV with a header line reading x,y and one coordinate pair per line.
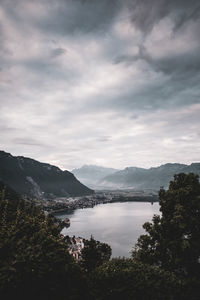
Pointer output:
x,y
112,82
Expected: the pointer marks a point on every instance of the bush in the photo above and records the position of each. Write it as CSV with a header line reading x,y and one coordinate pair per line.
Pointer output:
x,y
123,279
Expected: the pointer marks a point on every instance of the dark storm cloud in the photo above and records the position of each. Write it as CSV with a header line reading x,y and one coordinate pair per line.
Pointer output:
x,y
182,65
179,62
79,16
145,13
182,72
186,63
64,17
70,16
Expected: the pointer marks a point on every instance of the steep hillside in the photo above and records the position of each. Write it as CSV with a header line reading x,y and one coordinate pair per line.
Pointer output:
x,y
30,177
8,193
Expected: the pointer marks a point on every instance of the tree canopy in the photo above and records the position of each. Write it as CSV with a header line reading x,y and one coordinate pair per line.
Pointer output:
x,y
94,254
35,262
123,279
172,241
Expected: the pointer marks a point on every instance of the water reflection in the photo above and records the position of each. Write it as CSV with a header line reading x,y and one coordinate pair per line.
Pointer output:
x,y
118,224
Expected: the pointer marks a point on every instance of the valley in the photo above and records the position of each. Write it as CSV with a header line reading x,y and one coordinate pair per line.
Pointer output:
x,y
99,197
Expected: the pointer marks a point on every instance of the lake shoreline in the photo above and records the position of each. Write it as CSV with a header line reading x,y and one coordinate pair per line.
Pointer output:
x,y
100,197
118,224
70,210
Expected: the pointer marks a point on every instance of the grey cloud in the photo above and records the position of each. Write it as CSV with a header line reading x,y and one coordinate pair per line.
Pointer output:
x,y
127,59
74,16
181,73
164,93
105,138
186,64
57,52
83,16
6,128
28,142
145,14
50,71
191,14
82,93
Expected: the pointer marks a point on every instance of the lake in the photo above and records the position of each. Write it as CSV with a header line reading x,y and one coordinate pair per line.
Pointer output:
x,y
117,224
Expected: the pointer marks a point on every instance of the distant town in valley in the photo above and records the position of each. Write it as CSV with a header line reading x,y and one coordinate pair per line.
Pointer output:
x,y
55,190
99,197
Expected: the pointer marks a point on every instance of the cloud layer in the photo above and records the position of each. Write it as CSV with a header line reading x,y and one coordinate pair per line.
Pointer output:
x,y
114,83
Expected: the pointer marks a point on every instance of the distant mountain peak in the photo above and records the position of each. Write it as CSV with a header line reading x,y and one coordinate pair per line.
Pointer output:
x,y
152,178
91,175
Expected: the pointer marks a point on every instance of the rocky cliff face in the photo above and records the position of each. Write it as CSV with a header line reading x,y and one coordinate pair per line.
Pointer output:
x,y
39,180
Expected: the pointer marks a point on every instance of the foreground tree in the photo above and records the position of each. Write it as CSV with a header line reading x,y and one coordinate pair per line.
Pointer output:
x,y
94,254
34,260
173,239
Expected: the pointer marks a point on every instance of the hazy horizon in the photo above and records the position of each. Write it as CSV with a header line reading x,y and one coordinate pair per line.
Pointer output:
x,y
111,83
101,166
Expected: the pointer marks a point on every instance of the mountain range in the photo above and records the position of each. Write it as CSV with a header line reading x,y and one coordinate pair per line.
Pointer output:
x,y
38,180
41,180
133,177
92,175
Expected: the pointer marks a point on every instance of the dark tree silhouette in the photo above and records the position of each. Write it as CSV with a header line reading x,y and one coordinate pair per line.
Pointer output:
x,y
94,254
173,239
34,259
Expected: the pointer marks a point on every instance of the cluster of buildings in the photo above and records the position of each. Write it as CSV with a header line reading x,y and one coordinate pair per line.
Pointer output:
x,y
71,203
76,244
100,197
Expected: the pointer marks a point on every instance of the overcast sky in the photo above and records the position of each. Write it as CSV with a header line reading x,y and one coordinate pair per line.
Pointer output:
x,y
111,82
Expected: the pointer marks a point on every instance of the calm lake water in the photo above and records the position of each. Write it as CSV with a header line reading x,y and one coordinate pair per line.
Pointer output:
x,y
117,224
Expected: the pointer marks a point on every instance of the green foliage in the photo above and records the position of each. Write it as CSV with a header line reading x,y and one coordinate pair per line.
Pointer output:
x,y
35,262
94,254
173,239
127,279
